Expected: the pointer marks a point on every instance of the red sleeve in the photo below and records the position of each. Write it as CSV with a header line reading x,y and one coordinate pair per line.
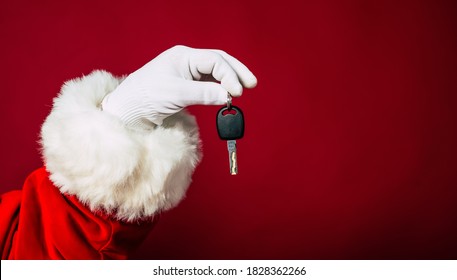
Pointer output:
x,y
9,217
93,156
41,223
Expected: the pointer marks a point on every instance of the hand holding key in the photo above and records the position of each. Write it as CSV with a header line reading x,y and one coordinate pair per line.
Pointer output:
x,y
175,79
179,77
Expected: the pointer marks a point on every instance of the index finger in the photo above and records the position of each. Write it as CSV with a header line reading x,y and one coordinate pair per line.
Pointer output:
x,y
246,77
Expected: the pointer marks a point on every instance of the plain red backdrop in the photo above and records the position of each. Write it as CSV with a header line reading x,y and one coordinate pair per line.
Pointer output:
x,y
350,145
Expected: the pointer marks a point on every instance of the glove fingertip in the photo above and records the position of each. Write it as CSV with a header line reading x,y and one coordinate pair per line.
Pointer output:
x,y
250,82
221,98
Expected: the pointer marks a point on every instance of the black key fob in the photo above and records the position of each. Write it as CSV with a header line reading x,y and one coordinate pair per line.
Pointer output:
x,y
230,123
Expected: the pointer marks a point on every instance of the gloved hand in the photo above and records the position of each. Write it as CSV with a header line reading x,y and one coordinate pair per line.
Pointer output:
x,y
179,77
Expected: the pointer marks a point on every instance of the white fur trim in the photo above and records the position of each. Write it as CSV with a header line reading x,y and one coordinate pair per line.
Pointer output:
x,y
91,154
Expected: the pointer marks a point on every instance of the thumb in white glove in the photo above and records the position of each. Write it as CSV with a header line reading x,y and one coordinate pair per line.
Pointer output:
x,y
175,79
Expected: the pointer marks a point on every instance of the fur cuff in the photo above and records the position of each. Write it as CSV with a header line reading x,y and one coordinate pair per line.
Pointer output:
x,y
109,167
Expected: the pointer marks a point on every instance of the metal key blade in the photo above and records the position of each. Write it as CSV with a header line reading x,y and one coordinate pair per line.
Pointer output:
x,y
231,146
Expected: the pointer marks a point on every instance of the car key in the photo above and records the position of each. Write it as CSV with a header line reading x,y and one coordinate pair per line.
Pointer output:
x,y
230,127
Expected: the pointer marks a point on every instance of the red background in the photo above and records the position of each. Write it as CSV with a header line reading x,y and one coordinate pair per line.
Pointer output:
x,y
350,145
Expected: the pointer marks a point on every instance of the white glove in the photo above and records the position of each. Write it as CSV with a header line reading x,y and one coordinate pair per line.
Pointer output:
x,y
179,77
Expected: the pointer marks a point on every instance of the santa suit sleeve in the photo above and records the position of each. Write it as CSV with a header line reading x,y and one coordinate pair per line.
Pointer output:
x,y
104,183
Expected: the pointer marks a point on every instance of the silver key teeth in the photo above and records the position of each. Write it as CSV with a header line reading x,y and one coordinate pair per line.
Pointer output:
x,y
231,146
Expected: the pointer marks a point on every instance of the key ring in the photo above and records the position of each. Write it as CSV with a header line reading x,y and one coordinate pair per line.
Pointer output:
x,y
229,101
